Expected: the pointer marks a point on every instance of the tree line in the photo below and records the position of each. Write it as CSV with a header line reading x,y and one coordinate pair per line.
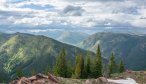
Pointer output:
x,y
84,66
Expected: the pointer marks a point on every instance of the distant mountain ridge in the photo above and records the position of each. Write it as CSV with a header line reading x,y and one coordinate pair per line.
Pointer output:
x,y
68,37
72,38
130,48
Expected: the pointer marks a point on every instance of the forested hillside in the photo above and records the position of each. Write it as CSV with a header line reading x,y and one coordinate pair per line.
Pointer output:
x,y
130,48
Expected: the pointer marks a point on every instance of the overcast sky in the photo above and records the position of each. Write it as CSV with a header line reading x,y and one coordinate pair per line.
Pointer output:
x,y
80,14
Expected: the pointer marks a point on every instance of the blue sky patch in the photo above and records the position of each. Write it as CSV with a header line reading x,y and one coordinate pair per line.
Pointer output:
x,y
39,7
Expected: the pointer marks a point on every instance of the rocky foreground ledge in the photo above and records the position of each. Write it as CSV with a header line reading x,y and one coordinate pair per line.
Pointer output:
x,y
50,79
37,79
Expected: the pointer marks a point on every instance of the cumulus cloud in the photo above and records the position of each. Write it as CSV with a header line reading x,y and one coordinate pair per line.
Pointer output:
x,y
17,14
77,13
73,10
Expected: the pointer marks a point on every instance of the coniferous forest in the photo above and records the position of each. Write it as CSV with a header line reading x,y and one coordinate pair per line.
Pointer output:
x,y
84,67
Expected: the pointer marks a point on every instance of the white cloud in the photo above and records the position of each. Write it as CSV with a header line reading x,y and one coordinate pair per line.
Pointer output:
x,y
139,22
33,21
84,13
73,10
38,30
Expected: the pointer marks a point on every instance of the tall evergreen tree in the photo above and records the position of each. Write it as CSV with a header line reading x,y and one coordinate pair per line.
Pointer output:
x,y
77,71
82,67
79,68
88,65
121,67
112,65
98,64
70,69
76,67
60,68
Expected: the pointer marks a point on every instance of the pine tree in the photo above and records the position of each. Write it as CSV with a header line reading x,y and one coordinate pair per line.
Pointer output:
x,y
98,64
60,68
77,73
121,67
88,65
70,69
79,68
112,65
82,67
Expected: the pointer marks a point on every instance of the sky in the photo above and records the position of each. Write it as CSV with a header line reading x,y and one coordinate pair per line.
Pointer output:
x,y
73,15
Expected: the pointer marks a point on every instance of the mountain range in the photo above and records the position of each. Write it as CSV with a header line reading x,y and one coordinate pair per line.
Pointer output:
x,y
130,48
36,52
68,37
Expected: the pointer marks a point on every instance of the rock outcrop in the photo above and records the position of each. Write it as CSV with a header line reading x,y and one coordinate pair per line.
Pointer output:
x,y
50,79
37,79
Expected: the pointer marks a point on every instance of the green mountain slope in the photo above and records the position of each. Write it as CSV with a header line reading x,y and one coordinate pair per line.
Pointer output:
x,y
30,52
131,48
